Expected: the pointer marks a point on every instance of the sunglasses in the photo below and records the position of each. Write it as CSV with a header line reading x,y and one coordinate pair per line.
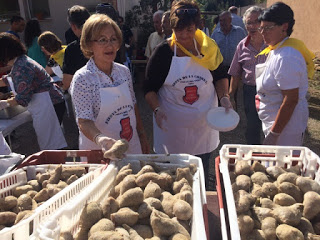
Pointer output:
x,y
186,11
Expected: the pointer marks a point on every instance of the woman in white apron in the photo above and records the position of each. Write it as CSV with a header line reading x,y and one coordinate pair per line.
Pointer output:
x,y
102,91
282,81
179,87
32,88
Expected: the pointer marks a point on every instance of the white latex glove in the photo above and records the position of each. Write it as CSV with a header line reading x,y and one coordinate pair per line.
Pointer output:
x,y
271,138
104,142
4,104
117,151
225,102
161,117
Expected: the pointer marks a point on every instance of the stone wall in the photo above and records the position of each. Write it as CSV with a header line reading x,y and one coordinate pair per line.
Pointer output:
x,y
306,27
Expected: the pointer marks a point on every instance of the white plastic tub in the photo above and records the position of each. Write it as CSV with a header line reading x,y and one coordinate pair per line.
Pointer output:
x,y
67,218
282,156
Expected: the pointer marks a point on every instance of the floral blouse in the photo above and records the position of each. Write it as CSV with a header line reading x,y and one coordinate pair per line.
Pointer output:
x,y
29,78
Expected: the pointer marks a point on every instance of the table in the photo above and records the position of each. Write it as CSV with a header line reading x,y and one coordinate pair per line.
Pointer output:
x,y
213,215
8,125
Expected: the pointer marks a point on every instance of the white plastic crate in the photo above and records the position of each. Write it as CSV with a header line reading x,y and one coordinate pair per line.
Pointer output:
x,y
67,218
8,182
282,156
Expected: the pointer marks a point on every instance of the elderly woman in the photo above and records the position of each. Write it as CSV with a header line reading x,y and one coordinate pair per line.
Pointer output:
x,y
102,91
282,81
32,88
183,80
242,69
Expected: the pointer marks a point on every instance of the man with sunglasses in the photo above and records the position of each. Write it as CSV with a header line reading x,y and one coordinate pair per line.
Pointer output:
x,y
156,37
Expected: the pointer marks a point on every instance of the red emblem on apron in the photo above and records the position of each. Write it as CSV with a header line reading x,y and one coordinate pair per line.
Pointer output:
x,y
191,94
126,129
257,100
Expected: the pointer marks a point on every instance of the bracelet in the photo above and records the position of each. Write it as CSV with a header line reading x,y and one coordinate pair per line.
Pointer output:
x,y
95,137
156,110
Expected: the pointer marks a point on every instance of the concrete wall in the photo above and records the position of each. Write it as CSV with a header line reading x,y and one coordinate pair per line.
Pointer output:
x,y
306,26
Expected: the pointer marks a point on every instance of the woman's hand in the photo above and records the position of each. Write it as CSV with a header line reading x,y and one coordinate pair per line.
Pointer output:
x,y
161,117
104,142
225,102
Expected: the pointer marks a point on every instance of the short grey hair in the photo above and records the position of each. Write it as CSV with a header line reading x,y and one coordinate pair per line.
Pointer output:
x,y
253,9
159,12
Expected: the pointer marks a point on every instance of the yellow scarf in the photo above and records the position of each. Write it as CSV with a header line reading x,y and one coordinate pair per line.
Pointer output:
x,y
211,53
301,47
58,56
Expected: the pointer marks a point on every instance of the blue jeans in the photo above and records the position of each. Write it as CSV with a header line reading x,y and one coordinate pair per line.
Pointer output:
x,y
206,165
253,122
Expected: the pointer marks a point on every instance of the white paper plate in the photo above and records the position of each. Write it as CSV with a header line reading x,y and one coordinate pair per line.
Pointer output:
x,y
221,120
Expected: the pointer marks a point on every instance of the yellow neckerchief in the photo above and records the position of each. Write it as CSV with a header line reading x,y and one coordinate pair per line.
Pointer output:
x,y
211,53
301,47
58,56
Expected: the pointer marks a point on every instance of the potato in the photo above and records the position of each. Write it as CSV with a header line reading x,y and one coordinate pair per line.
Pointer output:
x,y
24,202
125,167
244,182
268,226
145,231
21,190
294,169
284,199
152,190
292,190
242,168
260,213
258,167
163,180
133,233
267,203
275,171
259,178
23,215
125,216
182,210
167,201
132,197
7,218
258,192
103,224
128,182
177,185
42,177
42,196
69,171
35,185
8,203
72,179
305,227
287,177
246,224
121,175
255,235
55,175
124,233
185,194
243,201
32,193
184,173
109,206
285,232
178,236
269,189
147,205
306,184
290,215
106,235
90,215
145,169
311,203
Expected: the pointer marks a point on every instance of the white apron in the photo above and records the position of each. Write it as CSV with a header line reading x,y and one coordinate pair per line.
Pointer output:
x,y
45,121
289,136
186,96
116,119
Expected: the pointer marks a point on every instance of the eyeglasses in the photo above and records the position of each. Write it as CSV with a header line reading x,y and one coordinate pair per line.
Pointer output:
x,y
104,41
266,28
186,11
252,23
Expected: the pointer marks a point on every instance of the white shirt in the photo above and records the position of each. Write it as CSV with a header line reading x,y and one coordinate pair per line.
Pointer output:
x,y
86,83
286,69
153,40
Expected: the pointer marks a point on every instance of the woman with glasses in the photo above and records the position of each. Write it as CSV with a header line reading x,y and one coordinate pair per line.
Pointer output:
x,y
102,91
282,81
183,81
242,69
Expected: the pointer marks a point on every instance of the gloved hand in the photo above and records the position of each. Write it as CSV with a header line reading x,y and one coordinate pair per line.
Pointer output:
x,y
104,142
271,138
4,104
117,151
161,117
225,102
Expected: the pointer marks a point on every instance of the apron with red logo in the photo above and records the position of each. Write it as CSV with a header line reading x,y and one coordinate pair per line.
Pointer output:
x,y
116,118
186,96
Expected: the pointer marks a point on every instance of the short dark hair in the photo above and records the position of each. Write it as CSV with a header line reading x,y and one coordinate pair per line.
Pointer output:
x,y
16,19
10,47
107,9
78,15
184,20
279,13
49,41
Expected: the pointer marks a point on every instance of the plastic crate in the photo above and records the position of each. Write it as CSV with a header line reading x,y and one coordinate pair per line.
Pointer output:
x,y
282,156
27,227
67,218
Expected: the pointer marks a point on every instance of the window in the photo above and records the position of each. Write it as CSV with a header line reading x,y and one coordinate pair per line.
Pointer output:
x,y
9,8
39,9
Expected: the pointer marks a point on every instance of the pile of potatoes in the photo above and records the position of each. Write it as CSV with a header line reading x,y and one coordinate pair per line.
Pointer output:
x,y
275,203
26,198
153,204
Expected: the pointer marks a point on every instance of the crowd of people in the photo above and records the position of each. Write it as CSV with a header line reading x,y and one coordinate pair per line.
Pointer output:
x,y
188,73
